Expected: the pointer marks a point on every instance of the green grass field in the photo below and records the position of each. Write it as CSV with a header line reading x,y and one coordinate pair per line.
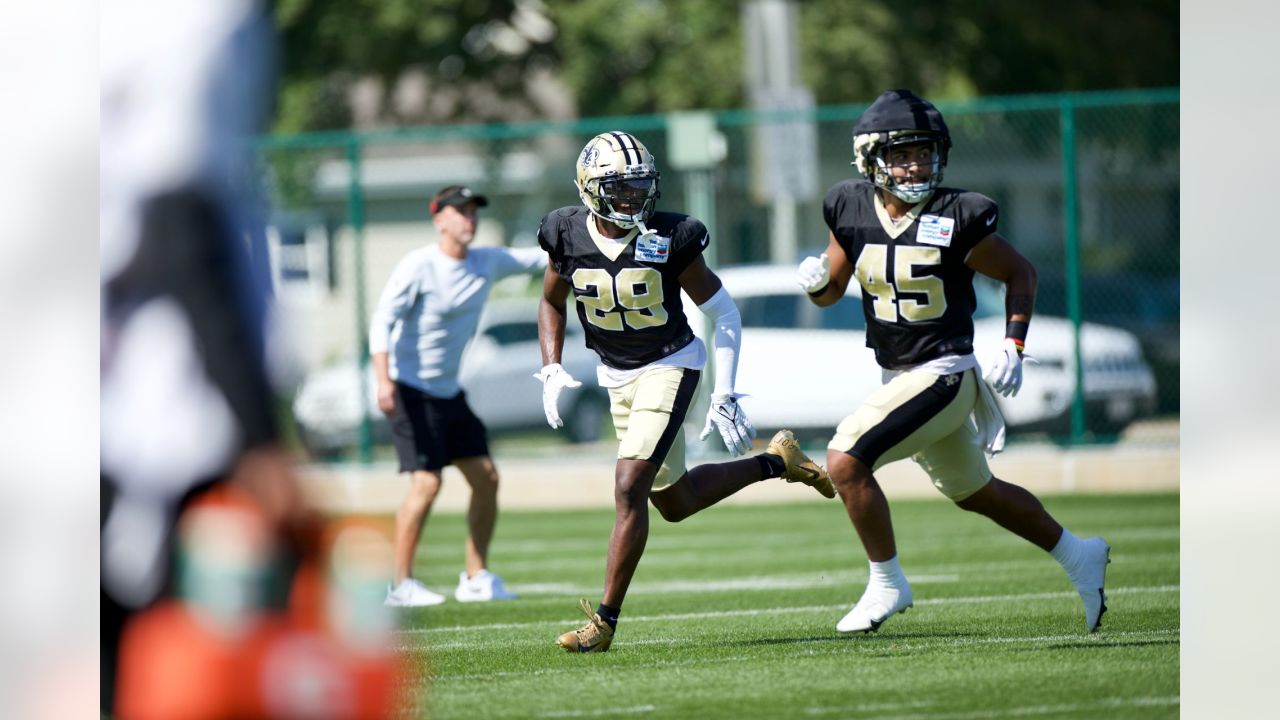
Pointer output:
x,y
732,614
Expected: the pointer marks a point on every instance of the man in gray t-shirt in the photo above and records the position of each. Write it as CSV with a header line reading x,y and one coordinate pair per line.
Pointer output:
x,y
428,311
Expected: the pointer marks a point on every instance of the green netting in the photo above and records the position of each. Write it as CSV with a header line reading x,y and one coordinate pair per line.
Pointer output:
x,y
338,220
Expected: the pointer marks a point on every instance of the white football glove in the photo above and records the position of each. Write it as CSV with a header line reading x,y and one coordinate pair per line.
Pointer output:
x,y
736,430
814,273
554,379
1004,374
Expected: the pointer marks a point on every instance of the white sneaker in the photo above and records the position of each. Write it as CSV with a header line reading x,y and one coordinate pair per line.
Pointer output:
x,y
485,586
878,603
411,593
1089,579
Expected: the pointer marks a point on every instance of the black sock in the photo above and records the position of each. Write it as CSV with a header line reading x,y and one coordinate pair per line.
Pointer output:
x,y
771,465
609,614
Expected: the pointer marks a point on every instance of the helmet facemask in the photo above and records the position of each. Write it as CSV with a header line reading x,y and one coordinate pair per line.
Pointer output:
x,y
617,180
873,157
625,202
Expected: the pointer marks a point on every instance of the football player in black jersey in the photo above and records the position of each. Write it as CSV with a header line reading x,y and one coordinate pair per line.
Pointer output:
x,y
626,266
913,247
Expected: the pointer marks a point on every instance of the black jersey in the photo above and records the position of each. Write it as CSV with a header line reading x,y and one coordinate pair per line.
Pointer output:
x,y
917,293
630,306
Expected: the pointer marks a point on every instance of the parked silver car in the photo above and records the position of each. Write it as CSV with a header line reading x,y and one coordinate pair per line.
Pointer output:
x,y
498,367
497,373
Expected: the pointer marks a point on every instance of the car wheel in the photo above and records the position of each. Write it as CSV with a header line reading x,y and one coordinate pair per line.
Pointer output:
x,y
585,421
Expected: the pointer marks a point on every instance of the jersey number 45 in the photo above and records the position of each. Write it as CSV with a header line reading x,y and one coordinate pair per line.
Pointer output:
x,y
872,271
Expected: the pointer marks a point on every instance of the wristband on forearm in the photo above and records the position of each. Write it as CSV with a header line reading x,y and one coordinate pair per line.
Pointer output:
x,y
1016,331
820,291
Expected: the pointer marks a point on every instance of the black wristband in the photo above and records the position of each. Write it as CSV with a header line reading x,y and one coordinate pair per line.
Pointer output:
x,y
1017,330
819,291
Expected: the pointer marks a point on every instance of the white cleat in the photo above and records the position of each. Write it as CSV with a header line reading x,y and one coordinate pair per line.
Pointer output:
x,y
485,586
878,603
411,593
1089,580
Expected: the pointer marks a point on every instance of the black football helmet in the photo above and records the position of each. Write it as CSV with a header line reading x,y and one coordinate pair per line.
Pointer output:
x,y
897,118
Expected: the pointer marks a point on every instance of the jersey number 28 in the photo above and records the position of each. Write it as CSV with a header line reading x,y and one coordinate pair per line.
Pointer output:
x,y
635,297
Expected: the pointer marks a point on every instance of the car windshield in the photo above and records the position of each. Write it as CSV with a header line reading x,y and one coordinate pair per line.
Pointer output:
x,y
795,312
513,332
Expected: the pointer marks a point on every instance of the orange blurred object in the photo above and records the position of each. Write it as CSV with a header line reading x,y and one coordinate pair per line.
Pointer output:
x,y
174,667
219,653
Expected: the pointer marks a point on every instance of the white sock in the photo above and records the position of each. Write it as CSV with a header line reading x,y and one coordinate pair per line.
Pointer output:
x,y
887,573
1067,551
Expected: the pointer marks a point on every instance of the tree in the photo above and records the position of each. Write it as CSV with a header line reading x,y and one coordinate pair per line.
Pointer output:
x,y
853,51
649,56
504,60
473,59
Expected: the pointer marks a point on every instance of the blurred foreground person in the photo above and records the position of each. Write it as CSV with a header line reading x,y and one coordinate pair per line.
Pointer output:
x,y
187,411
914,247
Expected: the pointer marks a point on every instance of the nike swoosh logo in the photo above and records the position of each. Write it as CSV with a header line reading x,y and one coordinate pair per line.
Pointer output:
x,y
813,474
991,220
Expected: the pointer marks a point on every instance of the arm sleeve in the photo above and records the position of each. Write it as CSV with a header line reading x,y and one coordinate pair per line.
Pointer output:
x,y
397,298
723,313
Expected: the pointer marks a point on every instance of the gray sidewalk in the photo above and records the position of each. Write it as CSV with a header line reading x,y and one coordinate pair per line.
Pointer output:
x,y
581,476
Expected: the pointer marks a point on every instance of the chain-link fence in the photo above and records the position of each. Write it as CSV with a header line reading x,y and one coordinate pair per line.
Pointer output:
x,y
1087,184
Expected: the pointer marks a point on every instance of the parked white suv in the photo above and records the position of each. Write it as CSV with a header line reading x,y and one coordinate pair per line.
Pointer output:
x,y
804,368
807,367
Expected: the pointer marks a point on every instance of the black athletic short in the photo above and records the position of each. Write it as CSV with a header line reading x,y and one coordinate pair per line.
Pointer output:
x,y
430,433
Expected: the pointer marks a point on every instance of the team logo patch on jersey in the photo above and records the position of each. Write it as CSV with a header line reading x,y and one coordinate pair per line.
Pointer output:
x,y
652,247
935,230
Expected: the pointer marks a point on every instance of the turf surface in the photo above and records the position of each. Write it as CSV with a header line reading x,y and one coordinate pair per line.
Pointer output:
x,y
732,614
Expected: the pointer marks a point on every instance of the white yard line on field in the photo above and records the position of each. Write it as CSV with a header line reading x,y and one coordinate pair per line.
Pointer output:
x,y
687,561
900,643
878,711
913,643
737,584
837,645
874,708
731,539
610,711
789,609
1042,595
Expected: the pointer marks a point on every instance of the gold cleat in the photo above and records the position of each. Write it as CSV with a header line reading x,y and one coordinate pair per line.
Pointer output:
x,y
595,636
799,467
